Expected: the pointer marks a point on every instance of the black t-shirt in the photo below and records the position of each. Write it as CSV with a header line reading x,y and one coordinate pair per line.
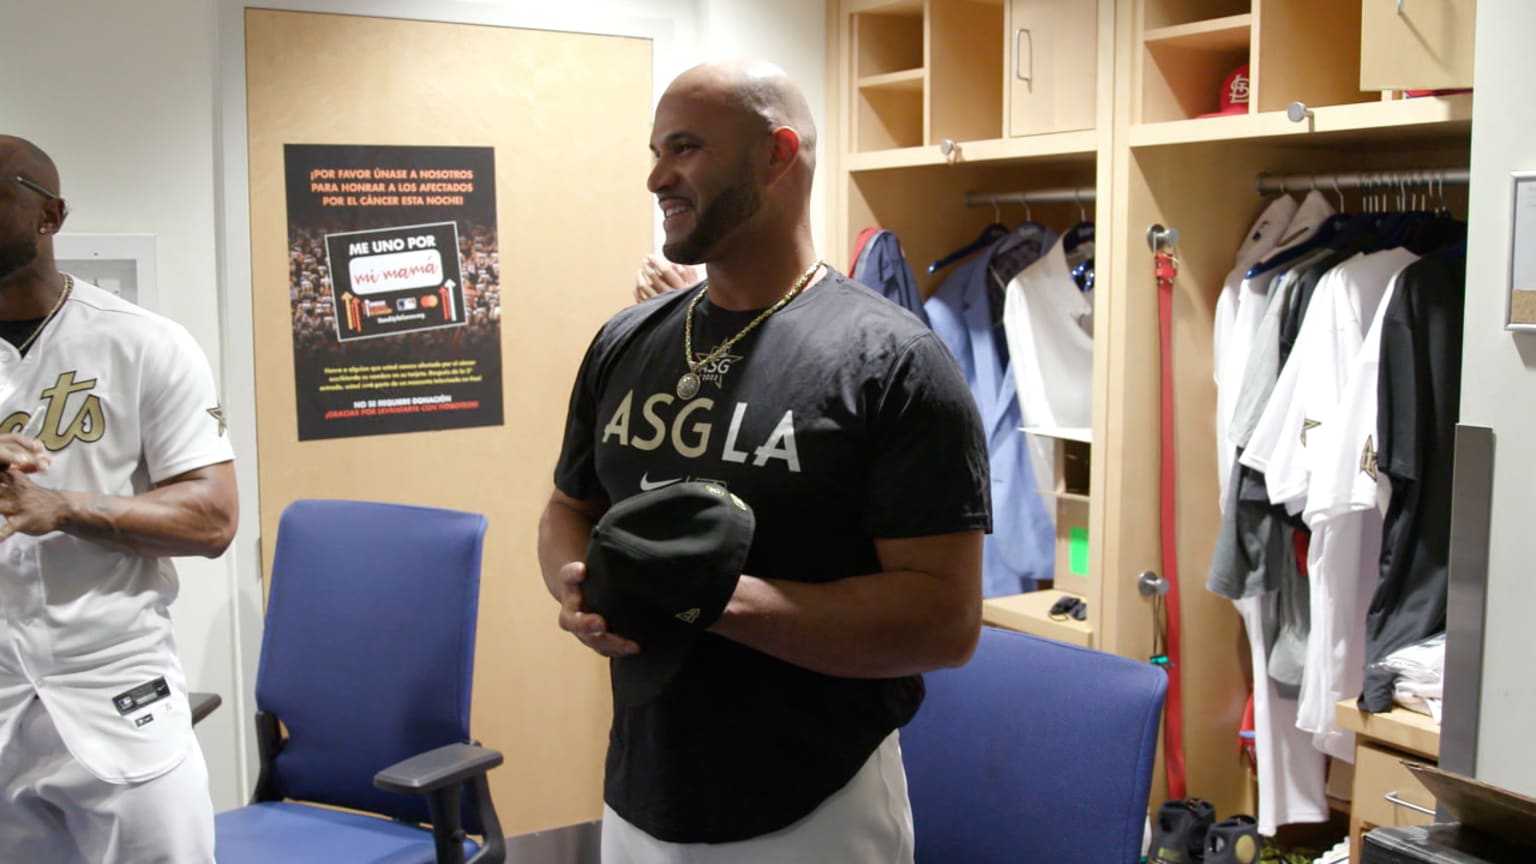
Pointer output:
x,y
840,419
1418,402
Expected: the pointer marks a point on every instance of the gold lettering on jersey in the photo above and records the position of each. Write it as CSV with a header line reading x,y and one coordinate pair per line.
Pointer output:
x,y
1368,458
88,423
1307,426
690,430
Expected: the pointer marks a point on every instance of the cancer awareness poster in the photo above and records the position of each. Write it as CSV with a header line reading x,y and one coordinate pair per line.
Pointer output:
x,y
394,284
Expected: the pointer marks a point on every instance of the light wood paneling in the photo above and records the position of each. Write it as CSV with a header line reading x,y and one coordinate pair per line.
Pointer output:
x,y
1031,613
1425,46
569,117
965,89
1171,13
888,118
1307,51
1054,43
887,42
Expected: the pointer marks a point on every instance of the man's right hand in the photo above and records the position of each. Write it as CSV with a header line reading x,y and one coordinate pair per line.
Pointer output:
x,y
657,275
588,627
27,454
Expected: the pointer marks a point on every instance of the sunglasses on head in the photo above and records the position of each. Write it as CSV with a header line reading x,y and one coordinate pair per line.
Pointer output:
x,y
35,187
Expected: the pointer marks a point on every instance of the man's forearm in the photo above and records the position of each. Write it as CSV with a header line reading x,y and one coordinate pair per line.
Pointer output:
x,y
876,626
181,518
564,532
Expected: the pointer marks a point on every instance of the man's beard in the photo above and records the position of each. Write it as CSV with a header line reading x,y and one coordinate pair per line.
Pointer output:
x,y
738,203
15,256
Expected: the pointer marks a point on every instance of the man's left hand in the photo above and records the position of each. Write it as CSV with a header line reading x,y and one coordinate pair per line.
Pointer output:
x,y
27,507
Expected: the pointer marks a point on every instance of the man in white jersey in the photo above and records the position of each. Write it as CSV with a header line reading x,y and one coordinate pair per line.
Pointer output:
x,y
115,459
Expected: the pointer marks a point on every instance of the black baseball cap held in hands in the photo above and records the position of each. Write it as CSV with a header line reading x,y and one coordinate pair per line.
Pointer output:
x,y
660,569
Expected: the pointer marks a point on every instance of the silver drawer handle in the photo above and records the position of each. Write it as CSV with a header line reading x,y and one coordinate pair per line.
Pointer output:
x,y
1022,33
1393,799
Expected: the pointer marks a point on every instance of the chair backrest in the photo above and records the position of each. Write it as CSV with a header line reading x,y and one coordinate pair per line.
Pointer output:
x,y
1033,751
369,645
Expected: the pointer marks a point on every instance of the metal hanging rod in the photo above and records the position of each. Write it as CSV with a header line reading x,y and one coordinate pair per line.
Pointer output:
x,y
1064,195
1267,183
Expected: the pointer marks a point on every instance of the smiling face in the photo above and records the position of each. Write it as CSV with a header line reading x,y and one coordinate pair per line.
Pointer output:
x,y
705,178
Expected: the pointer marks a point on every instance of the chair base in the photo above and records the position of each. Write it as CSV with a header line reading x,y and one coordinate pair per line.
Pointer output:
x,y
299,834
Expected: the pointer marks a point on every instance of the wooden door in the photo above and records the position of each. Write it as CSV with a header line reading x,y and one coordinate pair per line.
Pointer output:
x,y
1416,44
1052,65
568,116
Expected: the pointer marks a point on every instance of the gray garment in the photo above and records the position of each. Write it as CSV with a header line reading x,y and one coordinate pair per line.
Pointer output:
x,y
1289,610
1255,554
1263,368
1254,550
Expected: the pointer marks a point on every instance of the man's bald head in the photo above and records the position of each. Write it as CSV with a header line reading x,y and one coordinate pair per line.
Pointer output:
x,y
763,93
18,156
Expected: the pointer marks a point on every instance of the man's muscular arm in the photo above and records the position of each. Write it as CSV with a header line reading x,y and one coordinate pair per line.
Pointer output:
x,y
193,513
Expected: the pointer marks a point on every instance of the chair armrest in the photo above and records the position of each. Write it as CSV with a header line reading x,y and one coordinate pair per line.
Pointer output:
x,y
203,704
436,769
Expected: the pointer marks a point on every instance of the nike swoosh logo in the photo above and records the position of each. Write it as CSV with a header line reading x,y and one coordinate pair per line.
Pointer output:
x,y
646,484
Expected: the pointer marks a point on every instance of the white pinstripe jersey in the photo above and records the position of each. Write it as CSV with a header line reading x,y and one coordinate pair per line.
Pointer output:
x,y
128,400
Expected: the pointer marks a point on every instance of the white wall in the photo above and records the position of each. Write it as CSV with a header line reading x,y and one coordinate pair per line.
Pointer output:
x,y
793,34
1498,384
125,98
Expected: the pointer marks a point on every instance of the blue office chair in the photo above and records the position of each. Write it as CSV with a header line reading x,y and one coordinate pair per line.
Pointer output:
x,y
1035,751
362,696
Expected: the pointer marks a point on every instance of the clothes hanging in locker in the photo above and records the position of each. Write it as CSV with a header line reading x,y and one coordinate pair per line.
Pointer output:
x,y
1048,324
1342,546
880,263
1419,397
1306,427
1254,557
1021,548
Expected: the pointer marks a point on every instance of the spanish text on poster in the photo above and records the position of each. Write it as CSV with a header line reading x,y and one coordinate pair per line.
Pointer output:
x,y
394,284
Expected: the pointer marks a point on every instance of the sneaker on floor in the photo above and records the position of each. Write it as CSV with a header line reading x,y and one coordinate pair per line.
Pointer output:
x,y
1178,832
1234,840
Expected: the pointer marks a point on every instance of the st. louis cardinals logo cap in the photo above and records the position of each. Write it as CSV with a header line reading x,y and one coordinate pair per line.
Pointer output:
x,y
660,569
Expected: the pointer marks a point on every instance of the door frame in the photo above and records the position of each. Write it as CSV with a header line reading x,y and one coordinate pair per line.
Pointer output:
x,y
232,234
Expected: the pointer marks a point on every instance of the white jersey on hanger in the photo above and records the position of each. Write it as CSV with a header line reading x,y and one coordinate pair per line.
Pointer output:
x,y
1325,350
1234,323
1344,508
1048,322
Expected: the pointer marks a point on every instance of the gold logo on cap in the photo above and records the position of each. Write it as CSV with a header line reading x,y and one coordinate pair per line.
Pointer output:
x,y
715,491
690,616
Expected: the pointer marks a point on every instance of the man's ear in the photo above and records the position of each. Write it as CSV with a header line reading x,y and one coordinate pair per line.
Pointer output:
x,y
784,151
54,214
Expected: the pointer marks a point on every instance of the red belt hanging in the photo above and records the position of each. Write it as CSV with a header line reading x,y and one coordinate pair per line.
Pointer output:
x,y
1173,720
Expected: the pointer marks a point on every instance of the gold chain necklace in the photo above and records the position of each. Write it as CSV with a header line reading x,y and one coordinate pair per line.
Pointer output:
x,y
69,284
688,385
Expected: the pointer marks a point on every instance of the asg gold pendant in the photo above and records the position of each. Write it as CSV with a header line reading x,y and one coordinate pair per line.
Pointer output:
x,y
687,386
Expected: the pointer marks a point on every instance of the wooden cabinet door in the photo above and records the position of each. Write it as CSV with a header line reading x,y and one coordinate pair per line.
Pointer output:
x,y
1052,65
1425,46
